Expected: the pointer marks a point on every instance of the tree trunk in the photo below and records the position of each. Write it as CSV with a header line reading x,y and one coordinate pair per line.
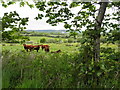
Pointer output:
x,y
99,19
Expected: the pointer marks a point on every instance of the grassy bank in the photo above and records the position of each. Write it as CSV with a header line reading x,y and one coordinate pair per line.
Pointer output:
x,y
62,70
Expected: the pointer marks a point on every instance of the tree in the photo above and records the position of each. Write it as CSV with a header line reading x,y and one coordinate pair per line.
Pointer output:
x,y
61,12
14,24
42,40
0,30
99,19
89,62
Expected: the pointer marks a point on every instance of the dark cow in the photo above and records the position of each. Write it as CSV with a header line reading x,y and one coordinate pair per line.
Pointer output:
x,y
31,47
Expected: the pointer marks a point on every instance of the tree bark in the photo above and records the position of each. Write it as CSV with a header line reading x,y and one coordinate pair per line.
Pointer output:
x,y
99,19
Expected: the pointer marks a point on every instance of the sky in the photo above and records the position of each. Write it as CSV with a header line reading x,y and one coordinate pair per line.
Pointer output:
x,y
33,24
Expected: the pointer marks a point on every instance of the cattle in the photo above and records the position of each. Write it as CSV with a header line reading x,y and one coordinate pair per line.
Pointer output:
x,y
43,46
31,47
27,47
58,51
36,47
47,49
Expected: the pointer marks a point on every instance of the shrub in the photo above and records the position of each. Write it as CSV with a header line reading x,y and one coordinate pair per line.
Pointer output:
x,y
51,41
79,39
65,41
103,40
43,40
3,44
70,40
64,70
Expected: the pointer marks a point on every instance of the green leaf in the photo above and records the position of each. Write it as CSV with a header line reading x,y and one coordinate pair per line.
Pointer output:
x,y
74,4
103,67
64,4
22,4
67,26
31,6
9,3
99,73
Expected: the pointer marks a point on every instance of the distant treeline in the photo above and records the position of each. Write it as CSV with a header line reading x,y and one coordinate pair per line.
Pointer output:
x,y
50,33
47,31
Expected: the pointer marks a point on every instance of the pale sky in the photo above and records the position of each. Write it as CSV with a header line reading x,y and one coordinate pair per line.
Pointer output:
x,y
33,24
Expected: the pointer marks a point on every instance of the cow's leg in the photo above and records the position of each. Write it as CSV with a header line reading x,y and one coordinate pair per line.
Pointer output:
x,y
26,50
30,49
42,48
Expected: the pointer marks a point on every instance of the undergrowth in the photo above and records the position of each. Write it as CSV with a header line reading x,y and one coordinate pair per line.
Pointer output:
x,y
23,69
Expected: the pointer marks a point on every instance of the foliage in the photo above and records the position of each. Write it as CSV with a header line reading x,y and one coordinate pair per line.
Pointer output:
x,y
51,41
14,24
70,40
86,16
63,70
13,21
43,40
76,70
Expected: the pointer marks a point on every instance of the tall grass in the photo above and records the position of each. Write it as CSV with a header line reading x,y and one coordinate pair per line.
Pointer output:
x,y
23,69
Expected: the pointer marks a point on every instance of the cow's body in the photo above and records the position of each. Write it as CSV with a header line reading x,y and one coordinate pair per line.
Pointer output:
x,y
43,46
31,47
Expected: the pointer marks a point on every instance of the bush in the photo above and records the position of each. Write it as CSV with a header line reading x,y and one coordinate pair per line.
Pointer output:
x,y
79,39
13,41
51,41
64,70
65,41
43,40
103,40
70,40
3,44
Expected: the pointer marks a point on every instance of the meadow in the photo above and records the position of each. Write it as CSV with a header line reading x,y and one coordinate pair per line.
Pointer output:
x,y
68,69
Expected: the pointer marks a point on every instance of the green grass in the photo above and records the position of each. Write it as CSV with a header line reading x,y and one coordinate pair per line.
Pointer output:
x,y
53,47
36,39
68,69
23,69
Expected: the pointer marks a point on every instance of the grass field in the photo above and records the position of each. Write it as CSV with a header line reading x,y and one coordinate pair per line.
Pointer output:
x,y
68,69
53,46
36,39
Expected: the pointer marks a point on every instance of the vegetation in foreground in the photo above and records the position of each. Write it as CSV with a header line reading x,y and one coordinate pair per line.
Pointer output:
x,y
72,68
93,66
23,69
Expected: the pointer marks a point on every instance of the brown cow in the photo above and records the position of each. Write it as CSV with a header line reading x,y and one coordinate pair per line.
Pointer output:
x,y
27,47
47,49
36,47
43,46
31,47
